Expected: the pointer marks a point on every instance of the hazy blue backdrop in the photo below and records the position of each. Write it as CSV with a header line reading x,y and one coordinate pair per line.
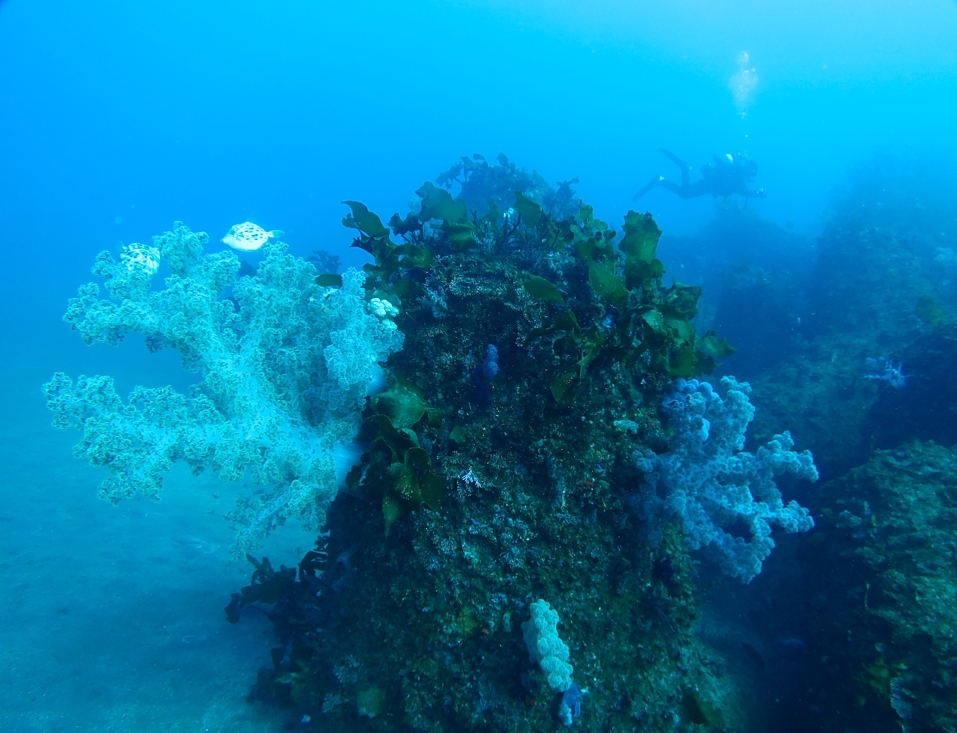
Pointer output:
x,y
121,117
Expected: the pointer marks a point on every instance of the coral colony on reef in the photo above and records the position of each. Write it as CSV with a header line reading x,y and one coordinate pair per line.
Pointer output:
x,y
505,406
285,365
711,483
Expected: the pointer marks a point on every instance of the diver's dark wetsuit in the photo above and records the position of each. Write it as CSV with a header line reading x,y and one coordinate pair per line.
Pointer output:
x,y
726,176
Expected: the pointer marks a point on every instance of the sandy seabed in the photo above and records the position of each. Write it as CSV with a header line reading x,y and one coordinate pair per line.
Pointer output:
x,y
112,617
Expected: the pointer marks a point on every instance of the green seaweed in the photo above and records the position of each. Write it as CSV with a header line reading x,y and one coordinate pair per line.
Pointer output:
x,y
458,435
396,469
542,289
329,280
609,285
437,203
530,212
364,220
642,269
383,276
403,403
267,586
652,323
928,311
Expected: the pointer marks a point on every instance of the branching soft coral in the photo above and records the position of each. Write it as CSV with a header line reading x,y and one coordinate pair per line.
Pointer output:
x,y
725,497
285,365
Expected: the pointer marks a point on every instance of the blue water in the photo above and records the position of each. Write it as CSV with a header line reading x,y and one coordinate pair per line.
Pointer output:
x,y
119,118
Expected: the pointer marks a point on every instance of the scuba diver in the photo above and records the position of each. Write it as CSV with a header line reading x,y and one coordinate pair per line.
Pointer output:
x,y
726,176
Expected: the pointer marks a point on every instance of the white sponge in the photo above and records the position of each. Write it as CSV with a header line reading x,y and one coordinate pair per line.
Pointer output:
x,y
545,647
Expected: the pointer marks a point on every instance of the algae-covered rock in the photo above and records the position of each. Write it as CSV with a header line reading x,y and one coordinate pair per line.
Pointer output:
x,y
534,479
881,609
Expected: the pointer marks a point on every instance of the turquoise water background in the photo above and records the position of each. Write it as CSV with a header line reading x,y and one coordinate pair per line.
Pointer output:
x,y
119,118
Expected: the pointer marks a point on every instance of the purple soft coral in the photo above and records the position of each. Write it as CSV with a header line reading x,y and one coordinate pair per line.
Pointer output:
x,y
886,370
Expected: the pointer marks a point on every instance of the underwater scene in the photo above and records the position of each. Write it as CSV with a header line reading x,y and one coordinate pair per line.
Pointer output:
x,y
478,365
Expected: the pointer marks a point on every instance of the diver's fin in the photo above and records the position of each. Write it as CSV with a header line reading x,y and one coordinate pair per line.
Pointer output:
x,y
675,159
647,187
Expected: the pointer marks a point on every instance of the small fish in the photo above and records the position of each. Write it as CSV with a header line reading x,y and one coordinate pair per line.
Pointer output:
x,y
248,237
142,257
